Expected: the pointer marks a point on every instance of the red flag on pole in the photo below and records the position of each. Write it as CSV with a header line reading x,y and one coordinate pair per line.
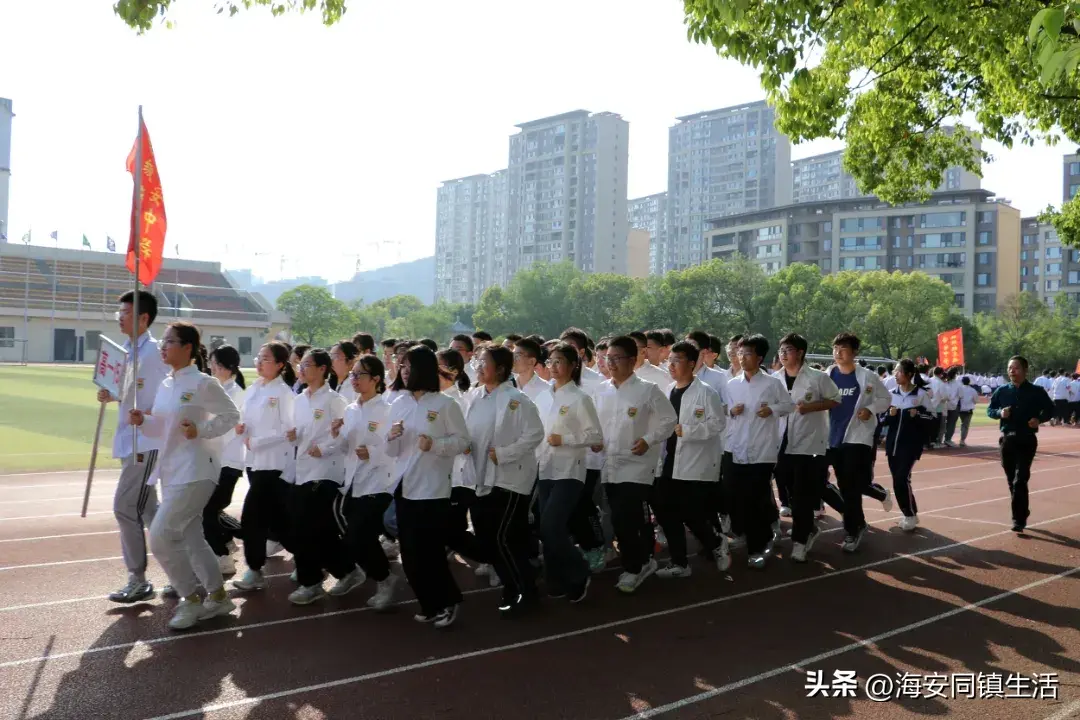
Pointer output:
x,y
147,210
951,348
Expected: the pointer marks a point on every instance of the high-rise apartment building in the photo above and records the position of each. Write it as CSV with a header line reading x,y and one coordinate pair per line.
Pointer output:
x,y
650,213
470,236
1070,176
721,162
1046,267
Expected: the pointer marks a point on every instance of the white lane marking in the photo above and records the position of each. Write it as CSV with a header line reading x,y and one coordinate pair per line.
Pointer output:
x,y
49,500
51,472
52,485
44,517
60,562
971,520
54,537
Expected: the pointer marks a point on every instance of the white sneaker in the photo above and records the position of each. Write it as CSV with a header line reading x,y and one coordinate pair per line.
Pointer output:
x,y
350,582
306,594
216,608
776,534
756,562
447,617
252,580
231,546
887,503
390,548
273,547
384,593
723,555
186,616
908,523
798,553
725,524
852,542
672,570
226,564
294,576
737,543
630,582
785,511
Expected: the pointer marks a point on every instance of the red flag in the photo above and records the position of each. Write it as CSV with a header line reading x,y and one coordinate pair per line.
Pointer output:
x,y
951,348
147,212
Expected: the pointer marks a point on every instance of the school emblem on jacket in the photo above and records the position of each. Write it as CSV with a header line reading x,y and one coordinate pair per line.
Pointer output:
x,y
139,384
186,397
808,396
372,426
513,404
272,402
869,389
319,414
564,409
431,415
632,412
699,413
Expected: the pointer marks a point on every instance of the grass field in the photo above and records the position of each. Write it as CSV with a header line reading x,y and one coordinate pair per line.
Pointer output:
x,y
48,414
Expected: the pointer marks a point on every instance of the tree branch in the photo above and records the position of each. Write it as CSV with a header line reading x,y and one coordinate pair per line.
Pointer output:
x,y
888,52
1050,96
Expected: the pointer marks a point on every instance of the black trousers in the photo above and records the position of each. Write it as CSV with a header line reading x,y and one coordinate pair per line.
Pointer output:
x,y
265,515
565,570
729,493
632,521
460,540
317,533
585,520
423,529
832,494
218,526
901,463
683,504
853,465
364,525
501,520
1017,454
802,473
754,503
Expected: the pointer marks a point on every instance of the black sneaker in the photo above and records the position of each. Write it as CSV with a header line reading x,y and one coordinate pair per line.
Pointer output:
x,y
578,596
1018,527
135,591
516,605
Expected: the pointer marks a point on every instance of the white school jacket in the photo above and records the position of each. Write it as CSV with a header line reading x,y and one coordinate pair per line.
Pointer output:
x,y
874,397
366,425
426,475
233,451
636,409
697,453
463,469
188,394
969,398
313,414
650,373
267,415
751,439
809,434
571,415
152,371
514,429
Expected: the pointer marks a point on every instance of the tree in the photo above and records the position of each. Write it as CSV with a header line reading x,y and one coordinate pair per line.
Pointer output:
x,y
536,300
141,14
599,301
399,306
902,311
886,76
317,316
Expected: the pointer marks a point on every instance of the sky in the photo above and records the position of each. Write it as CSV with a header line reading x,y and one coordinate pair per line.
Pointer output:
x,y
295,149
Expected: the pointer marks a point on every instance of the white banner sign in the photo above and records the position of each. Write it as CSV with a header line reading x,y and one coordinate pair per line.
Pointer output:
x,y
109,369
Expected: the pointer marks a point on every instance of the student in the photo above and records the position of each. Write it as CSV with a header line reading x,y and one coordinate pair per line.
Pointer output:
x,y
570,426
801,460
343,355
266,415
464,346
969,398
645,369
296,354
1074,398
757,400
364,342
527,356
504,431
510,341
730,523
369,475
636,418
952,389
220,528
689,466
388,347
190,410
135,501
851,431
427,430
1059,393
909,420
1020,407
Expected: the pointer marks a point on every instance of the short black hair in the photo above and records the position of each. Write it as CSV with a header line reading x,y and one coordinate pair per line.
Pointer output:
x,y
364,341
735,340
687,348
148,305
482,336
796,341
388,343
657,336
430,344
624,343
716,344
1020,359
578,338
699,338
639,337
463,339
669,337
757,343
513,337
849,340
529,347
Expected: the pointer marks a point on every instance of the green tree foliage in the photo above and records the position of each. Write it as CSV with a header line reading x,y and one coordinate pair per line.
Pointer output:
x,y
886,76
318,318
142,14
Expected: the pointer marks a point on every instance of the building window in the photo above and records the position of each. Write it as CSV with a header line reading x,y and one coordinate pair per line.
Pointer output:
x,y
1053,253
828,244
984,238
1053,285
93,340
1053,268
7,337
942,219
1073,187
986,216
244,345
982,279
982,258
958,298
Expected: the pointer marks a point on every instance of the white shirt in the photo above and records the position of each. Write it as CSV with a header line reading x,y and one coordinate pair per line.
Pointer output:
x,y
650,373
751,439
1059,390
702,416
506,420
233,451
808,434
969,397
366,426
571,415
152,370
463,469
188,394
889,383
634,410
1074,391
1043,382
345,390
267,414
313,414
426,475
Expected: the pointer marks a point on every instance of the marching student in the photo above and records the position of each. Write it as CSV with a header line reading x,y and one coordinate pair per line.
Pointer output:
x,y
805,440
343,356
266,415
463,345
590,379
636,418
369,475
851,432
296,354
505,431
364,342
427,431
388,347
527,356
969,398
219,527
730,523
1020,407
690,465
952,413
908,420
570,426
135,501
1074,398
190,410
1059,393
645,369
757,400
601,362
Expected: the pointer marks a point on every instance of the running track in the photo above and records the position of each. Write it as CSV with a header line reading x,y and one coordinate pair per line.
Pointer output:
x,y
962,594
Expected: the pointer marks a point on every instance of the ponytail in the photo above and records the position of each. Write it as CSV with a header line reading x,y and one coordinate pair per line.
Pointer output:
x,y
202,360
453,361
228,357
281,353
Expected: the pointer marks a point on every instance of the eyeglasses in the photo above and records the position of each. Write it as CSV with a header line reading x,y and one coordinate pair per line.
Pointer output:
x,y
552,362
787,350
615,359
165,342
357,375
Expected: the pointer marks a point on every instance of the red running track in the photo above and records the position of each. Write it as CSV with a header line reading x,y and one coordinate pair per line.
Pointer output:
x,y
962,595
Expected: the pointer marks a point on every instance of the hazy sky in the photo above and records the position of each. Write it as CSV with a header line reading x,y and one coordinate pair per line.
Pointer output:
x,y
278,138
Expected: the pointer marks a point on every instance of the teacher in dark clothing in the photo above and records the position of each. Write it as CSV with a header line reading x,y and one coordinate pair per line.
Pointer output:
x,y
1020,407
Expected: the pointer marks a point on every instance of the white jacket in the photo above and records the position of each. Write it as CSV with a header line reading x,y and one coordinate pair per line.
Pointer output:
x,y
874,397
426,475
365,425
267,415
152,371
809,434
314,413
632,411
516,434
233,453
697,453
650,373
572,416
751,439
188,394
